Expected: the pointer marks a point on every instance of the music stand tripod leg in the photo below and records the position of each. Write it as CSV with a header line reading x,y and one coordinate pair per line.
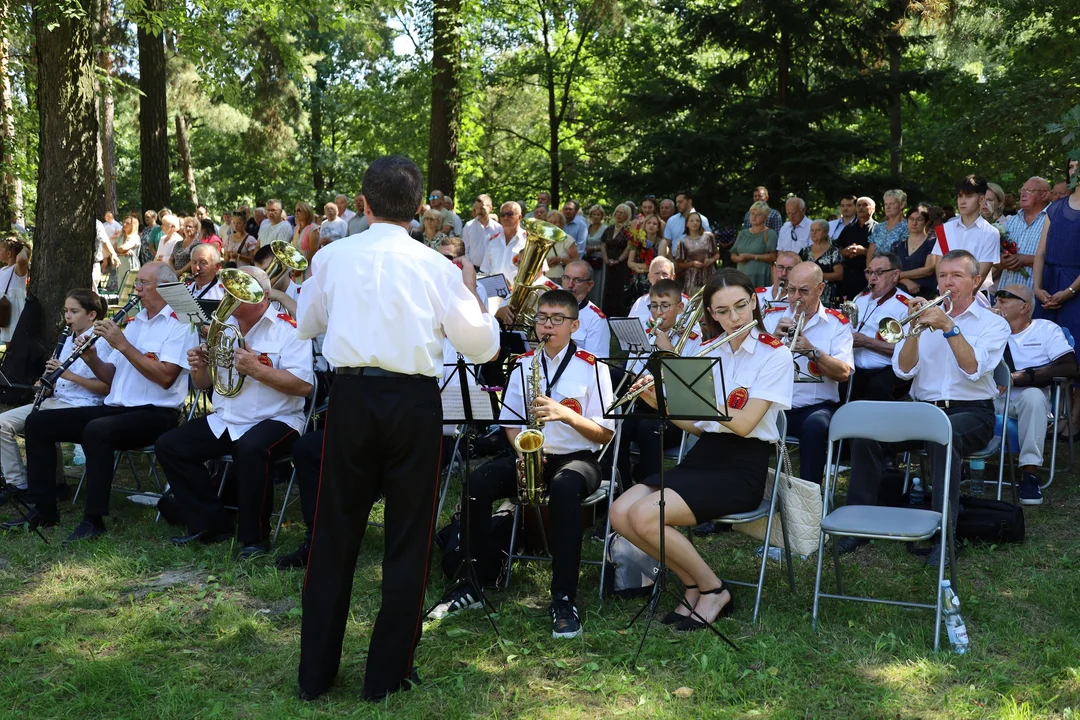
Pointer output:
x,y
25,511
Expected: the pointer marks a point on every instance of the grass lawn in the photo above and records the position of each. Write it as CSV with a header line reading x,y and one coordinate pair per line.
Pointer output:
x,y
132,627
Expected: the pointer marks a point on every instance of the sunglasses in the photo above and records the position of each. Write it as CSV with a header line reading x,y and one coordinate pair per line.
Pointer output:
x,y
509,213
432,197
1006,294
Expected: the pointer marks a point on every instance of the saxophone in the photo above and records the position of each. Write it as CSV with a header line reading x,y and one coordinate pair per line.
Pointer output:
x,y
530,441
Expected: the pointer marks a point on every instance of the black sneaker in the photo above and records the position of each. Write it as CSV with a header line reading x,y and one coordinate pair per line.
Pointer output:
x,y
565,622
85,530
460,597
296,559
1030,493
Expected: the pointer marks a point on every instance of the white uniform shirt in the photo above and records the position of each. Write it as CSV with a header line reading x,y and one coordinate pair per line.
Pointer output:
x,y
387,301
937,376
981,240
640,308
1040,343
278,344
794,237
478,236
580,387
163,338
766,295
871,312
830,332
593,333
501,257
215,291
268,233
71,392
761,368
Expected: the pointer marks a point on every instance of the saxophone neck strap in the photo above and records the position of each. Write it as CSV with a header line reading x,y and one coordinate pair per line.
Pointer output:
x,y
571,349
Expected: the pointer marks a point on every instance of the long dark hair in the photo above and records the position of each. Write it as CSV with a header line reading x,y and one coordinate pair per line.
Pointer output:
x,y
722,278
90,301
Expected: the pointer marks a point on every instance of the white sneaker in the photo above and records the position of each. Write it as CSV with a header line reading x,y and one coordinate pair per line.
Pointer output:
x,y
458,598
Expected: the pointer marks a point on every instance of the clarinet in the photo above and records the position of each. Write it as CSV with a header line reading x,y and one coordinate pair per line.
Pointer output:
x,y
50,379
39,397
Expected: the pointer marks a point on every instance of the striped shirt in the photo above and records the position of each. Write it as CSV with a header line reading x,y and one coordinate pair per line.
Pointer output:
x,y
1026,236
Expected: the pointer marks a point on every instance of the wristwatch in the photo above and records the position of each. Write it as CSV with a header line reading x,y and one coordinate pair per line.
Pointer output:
x,y
952,333
814,354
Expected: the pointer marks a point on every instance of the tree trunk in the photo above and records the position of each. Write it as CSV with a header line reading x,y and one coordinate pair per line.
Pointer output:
x,y
10,184
318,87
553,112
108,110
896,127
783,68
67,183
445,97
183,149
153,115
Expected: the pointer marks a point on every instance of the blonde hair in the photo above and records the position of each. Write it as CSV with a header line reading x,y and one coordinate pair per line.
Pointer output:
x,y
626,208
303,207
433,213
762,208
556,214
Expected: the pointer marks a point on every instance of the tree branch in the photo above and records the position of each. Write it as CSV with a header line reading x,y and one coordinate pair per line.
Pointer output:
x,y
521,137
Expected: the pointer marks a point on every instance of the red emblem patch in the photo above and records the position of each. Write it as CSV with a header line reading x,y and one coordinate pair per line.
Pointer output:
x,y
572,404
769,340
515,260
813,369
152,356
737,398
587,357
265,360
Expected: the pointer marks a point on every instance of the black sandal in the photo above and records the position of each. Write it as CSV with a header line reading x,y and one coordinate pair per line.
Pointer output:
x,y
673,617
691,623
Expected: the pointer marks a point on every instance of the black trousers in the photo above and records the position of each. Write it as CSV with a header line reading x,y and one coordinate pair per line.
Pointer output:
x,y
972,429
811,425
183,454
570,479
878,384
307,457
382,435
101,429
645,432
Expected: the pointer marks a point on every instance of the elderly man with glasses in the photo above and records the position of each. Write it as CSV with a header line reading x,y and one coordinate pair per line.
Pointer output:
x,y
874,377
1026,228
503,249
593,333
776,294
795,233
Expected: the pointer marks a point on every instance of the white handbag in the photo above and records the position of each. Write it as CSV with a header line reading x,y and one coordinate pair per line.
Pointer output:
x,y
799,508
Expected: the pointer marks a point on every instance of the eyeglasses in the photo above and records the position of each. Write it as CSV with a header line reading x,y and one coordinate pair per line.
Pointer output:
x,y
555,320
738,307
785,268
1025,191
876,273
575,280
145,283
508,213
660,307
1005,294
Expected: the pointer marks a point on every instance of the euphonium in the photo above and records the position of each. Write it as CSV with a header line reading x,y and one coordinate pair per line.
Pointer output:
x,y
222,339
540,237
286,258
530,441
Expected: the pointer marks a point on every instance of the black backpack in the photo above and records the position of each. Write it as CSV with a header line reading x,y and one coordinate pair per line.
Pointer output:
x,y
990,521
25,358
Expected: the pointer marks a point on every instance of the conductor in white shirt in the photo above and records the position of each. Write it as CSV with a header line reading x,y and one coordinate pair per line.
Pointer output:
x,y
386,303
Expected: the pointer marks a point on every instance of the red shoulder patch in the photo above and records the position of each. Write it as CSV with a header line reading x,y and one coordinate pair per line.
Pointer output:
x,y
685,297
550,284
903,298
838,315
776,309
586,356
760,290
597,310
265,360
694,335
572,404
737,398
287,318
151,356
769,340
173,315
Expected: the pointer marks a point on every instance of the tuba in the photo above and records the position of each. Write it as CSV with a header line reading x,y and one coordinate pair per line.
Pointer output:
x,y
540,237
222,339
287,258
530,441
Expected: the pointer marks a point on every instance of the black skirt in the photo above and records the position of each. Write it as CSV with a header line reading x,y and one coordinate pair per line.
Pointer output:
x,y
721,475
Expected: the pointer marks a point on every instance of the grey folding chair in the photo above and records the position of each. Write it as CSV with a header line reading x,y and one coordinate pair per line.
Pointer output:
x,y
887,422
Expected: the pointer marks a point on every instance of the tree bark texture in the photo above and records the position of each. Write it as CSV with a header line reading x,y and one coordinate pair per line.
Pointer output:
x,y
67,182
10,184
318,87
108,110
445,96
183,150
153,115
896,126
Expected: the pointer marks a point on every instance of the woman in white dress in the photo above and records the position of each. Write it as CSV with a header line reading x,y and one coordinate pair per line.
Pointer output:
x,y
15,258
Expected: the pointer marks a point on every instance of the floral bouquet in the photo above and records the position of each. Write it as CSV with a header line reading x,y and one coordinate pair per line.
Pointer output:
x,y
1008,246
645,252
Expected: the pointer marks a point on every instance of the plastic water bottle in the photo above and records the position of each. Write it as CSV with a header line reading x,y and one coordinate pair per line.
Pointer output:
x,y
978,483
917,494
954,622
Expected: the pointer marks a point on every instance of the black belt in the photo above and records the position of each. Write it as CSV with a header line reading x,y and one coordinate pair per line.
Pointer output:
x,y
377,372
986,404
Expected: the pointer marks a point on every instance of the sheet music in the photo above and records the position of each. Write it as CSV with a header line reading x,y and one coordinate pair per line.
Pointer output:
x,y
630,333
495,286
454,407
180,299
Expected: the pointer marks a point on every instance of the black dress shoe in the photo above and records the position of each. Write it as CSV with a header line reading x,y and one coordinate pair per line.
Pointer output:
x,y
85,530
9,493
298,558
711,528
203,537
851,544
170,510
380,695
254,550
33,521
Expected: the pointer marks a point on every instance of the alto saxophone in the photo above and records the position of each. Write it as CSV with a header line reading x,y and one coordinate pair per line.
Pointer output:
x,y
530,441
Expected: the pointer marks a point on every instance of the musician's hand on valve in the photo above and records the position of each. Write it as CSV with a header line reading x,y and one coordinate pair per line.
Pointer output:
x,y
196,357
935,318
803,346
111,333
246,362
784,326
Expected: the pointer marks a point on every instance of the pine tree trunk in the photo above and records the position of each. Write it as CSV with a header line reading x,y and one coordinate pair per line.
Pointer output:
x,y
183,149
445,97
108,111
10,184
896,126
153,115
67,183
318,87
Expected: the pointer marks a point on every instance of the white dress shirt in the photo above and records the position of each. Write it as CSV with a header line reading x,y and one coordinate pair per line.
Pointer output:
x,y
213,290
269,232
830,332
767,298
502,258
871,312
761,368
794,237
936,374
477,236
581,387
69,391
385,300
275,339
981,239
163,338
837,226
593,333
1040,343
675,228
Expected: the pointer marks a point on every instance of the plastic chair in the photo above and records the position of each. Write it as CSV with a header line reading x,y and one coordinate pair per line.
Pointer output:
x,y
887,422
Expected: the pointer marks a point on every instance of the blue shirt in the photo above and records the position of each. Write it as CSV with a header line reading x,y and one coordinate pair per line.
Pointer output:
x,y
1026,236
579,230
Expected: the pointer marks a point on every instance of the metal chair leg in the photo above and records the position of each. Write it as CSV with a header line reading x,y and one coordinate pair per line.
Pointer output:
x,y
284,505
836,562
513,544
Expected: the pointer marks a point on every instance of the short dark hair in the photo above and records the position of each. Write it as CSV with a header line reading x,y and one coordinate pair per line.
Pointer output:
x,y
922,210
208,227
562,299
667,286
728,277
575,203
393,187
893,258
847,197
90,301
972,184
688,194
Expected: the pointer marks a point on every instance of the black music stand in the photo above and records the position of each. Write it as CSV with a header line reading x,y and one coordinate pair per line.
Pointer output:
x,y
692,397
467,415
22,508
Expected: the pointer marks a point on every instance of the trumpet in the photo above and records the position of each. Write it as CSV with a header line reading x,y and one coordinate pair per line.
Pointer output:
x,y
892,330
686,321
780,298
791,338
635,394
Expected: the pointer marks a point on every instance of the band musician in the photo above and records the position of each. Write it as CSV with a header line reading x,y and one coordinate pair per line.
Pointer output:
x,y
776,294
874,378
205,266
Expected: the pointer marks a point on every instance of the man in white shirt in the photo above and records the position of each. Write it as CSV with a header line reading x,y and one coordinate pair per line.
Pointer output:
x,y
206,264
576,226
480,231
951,365
593,333
659,269
794,235
676,225
874,378
276,226
332,228
823,352
776,294
969,230
385,302
502,250
112,228
358,223
847,216
259,217
342,203
1038,352
145,366
256,427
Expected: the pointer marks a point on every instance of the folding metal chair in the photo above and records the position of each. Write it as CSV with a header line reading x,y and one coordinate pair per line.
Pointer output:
x,y
887,422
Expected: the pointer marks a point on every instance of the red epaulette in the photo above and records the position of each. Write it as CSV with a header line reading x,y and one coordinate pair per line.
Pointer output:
x,y
694,335
527,354
586,356
903,298
769,340
551,285
597,310
865,292
287,318
685,297
775,309
838,315
760,290
173,315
